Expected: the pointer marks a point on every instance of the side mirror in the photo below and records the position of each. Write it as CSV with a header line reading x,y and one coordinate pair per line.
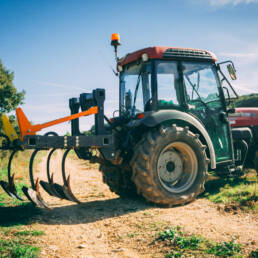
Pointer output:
x,y
231,71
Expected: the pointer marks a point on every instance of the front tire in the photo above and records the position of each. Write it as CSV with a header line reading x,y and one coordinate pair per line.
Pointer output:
x,y
118,180
170,166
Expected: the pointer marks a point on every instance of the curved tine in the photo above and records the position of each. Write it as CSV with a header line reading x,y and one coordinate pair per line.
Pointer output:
x,y
32,160
56,188
11,177
39,198
10,165
33,186
9,187
52,188
35,197
47,185
49,177
33,193
63,167
6,188
4,184
67,186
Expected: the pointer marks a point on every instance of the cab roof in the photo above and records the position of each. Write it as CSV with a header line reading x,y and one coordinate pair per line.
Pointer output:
x,y
175,53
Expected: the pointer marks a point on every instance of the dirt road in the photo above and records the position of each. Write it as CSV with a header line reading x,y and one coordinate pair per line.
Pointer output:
x,y
107,226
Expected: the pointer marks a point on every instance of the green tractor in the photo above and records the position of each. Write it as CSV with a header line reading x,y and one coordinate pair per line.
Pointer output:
x,y
171,128
173,125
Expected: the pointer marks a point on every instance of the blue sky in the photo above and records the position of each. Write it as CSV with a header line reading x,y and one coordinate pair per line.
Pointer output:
x,y
59,49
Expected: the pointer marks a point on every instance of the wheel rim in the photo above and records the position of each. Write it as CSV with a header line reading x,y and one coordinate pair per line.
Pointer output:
x,y
177,167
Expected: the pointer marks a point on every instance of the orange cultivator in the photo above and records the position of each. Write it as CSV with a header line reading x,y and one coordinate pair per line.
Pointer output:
x,y
90,103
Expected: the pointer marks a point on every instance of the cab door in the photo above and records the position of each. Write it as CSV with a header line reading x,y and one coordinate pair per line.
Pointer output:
x,y
204,101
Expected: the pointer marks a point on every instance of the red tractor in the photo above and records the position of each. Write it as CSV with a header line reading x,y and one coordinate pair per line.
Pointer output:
x,y
247,117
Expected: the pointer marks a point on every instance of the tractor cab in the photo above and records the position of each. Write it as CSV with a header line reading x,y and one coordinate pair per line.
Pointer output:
x,y
180,85
163,78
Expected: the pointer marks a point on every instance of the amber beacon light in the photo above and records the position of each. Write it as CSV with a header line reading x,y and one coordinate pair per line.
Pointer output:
x,y
115,39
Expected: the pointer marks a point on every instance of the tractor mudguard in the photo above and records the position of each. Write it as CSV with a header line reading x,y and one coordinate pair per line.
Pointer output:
x,y
161,116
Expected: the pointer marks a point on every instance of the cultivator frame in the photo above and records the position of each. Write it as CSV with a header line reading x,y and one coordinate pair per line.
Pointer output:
x,y
89,103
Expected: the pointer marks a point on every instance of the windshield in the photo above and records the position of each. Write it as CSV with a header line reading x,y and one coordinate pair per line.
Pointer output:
x,y
201,83
135,90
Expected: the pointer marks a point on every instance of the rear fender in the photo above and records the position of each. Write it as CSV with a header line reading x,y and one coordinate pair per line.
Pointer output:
x,y
154,119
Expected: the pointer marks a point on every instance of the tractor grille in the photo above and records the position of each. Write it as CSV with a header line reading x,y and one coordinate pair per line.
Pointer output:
x,y
187,53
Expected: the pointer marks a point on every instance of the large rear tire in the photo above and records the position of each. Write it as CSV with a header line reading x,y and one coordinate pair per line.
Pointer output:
x,y
170,166
118,180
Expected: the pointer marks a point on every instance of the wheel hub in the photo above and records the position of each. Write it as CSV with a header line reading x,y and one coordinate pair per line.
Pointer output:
x,y
170,166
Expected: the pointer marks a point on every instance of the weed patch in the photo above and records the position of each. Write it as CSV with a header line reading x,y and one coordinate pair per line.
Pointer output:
x,y
177,238
224,249
15,243
254,254
29,233
17,248
241,192
183,244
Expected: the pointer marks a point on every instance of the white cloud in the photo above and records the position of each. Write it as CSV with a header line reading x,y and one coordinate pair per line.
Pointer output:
x,y
231,2
240,55
45,109
57,85
244,89
245,57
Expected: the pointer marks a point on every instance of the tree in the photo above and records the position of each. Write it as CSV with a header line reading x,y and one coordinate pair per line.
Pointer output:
x,y
247,101
10,98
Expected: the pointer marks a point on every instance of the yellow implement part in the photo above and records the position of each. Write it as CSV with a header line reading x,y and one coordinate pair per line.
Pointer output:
x,y
8,129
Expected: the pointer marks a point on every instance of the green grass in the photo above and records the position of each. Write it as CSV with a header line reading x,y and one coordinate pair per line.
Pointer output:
x,y
224,249
176,238
19,167
6,200
17,248
183,245
253,254
29,233
241,192
15,243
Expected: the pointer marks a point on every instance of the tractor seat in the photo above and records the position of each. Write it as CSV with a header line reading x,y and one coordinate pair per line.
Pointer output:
x,y
243,133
